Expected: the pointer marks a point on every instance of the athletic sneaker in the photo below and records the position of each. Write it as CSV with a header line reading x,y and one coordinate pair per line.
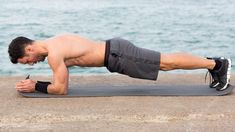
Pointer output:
x,y
214,82
223,74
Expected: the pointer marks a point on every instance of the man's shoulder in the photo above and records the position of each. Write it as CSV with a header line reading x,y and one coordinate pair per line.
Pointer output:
x,y
54,59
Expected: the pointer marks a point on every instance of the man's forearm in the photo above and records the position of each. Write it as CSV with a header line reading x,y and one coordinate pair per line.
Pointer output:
x,y
52,89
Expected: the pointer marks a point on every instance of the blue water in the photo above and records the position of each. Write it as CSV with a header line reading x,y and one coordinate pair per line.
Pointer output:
x,y
200,27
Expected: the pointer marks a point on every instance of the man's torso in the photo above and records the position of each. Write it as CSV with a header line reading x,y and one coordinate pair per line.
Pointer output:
x,y
77,51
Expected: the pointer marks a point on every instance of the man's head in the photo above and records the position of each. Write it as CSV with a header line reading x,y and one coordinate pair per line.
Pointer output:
x,y
22,50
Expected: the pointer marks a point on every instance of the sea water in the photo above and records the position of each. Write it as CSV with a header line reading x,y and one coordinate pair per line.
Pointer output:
x,y
200,27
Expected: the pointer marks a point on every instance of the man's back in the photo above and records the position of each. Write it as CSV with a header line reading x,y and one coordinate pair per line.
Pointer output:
x,y
76,51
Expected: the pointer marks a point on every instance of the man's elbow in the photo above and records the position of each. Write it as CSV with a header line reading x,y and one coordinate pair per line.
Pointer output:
x,y
62,92
65,92
59,91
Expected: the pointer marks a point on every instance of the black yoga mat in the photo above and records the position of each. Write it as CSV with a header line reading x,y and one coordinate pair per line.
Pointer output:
x,y
139,90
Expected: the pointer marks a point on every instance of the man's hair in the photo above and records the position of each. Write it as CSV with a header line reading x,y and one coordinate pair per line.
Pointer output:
x,y
16,48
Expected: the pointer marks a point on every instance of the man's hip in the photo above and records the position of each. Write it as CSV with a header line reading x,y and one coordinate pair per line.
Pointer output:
x,y
125,58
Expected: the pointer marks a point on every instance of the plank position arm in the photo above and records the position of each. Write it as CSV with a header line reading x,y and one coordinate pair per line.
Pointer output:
x,y
60,75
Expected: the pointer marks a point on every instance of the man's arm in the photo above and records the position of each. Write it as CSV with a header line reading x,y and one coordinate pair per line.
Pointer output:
x,y
60,75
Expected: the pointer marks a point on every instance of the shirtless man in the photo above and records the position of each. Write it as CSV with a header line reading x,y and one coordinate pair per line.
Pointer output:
x,y
117,54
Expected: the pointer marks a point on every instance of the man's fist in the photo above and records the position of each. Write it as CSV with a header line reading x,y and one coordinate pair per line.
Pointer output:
x,y
27,86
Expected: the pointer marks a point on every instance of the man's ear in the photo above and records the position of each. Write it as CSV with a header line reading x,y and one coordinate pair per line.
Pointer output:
x,y
28,48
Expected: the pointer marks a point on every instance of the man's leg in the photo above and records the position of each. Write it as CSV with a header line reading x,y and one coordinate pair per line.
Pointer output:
x,y
219,68
184,61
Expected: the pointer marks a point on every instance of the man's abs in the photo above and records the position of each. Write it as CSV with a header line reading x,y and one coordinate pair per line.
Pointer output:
x,y
93,58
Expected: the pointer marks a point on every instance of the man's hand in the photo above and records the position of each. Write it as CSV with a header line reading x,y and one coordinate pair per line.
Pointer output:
x,y
27,86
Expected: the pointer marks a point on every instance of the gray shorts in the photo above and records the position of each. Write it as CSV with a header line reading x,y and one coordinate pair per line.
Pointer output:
x,y
123,57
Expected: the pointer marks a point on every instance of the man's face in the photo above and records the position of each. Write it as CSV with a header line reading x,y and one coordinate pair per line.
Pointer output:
x,y
31,59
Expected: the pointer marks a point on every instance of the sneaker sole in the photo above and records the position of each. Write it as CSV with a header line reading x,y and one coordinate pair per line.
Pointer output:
x,y
214,86
228,74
